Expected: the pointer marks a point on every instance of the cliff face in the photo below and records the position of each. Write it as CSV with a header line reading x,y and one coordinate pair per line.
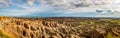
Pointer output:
x,y
60,27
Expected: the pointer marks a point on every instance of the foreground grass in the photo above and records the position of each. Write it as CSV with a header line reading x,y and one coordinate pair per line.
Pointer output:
x,y
5,35
109,35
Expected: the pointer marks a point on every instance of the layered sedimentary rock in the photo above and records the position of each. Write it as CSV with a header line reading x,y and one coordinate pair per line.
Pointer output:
x,y
60,27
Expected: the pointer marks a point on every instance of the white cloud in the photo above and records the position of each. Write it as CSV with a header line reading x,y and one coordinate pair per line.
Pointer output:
x,y
3,4
31,2
26,10
76,3
80,10
78,6
70,7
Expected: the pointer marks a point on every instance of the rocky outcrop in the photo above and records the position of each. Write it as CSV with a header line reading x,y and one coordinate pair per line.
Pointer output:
x,y
59,27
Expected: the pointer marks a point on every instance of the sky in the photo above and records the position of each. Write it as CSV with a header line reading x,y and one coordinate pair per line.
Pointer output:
x,y
60,8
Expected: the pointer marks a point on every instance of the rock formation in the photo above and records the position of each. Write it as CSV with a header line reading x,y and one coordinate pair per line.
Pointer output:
x,y
59,27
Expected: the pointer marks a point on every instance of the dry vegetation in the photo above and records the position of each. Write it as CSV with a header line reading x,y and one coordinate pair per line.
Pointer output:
x,y
59,28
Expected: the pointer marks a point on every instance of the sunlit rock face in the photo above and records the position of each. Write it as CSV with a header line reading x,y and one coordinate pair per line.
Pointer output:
x,y
59,27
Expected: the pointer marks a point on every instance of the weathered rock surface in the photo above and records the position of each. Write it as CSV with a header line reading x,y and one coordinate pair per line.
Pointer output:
x,y
60,27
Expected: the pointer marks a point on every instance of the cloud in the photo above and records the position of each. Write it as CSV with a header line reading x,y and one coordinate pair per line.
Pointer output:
x,y
27,10
61,7
3,4
76,3
31,2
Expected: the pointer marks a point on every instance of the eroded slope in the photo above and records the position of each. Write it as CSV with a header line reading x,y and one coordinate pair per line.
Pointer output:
x,y
60,27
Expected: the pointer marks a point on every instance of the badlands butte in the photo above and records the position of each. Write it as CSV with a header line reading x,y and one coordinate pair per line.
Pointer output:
x,y
59,27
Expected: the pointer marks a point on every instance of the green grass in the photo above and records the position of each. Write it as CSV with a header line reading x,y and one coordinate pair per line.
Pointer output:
x,y
109,35
5,35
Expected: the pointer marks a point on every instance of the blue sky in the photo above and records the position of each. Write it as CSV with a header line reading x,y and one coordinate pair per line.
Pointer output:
x,y
69,8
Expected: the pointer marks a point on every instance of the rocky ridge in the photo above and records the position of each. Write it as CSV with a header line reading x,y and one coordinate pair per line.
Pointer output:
x,y
59,27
